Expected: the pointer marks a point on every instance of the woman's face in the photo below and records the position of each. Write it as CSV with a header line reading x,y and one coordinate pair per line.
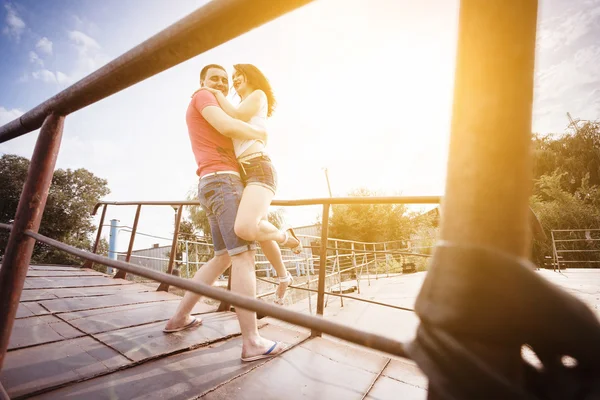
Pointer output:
x,y
240,84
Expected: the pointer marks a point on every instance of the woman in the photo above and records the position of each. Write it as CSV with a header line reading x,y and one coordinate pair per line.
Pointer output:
x,y
259,175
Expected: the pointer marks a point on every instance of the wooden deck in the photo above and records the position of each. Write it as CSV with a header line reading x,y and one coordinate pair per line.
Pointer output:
x,y
81,334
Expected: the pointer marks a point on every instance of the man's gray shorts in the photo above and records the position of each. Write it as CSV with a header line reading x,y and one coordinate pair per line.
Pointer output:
x,y
220,197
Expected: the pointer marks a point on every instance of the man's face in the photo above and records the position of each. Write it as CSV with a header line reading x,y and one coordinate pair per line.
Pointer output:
x,y
217,79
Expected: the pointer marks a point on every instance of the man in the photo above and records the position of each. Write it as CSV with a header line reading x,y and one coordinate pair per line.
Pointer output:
x,y
219,191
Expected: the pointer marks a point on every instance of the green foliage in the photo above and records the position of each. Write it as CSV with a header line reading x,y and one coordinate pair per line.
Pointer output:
x,y
566,185
198,217
67,215
276,217
369,222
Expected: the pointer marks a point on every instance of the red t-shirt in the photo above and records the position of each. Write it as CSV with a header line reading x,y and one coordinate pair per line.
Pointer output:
x,y
213,151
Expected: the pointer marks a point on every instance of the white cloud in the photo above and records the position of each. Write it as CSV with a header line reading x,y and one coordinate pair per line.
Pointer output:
x,y
34,58
90,54
14,24
563,31
57,77
45,76
63,79
7,116
83,42
45,45
24,78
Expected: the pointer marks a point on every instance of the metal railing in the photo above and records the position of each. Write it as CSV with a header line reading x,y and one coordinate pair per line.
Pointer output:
x,y
489,164
575,246
336,263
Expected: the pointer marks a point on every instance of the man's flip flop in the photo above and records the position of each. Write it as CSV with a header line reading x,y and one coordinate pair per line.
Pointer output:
x,y
275,350
195,322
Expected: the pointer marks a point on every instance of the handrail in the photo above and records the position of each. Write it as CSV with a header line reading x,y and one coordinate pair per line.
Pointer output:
x,y
289,203
320,324
325,202
208,27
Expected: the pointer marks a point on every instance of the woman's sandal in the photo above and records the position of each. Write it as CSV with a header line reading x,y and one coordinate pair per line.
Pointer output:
x,y
289,233
289,280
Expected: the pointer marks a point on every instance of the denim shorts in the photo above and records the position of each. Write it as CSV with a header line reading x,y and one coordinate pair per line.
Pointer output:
x,y
220,197
259,171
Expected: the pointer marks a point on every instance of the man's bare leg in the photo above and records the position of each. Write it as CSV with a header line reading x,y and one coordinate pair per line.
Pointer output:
x,y
207,274
244,282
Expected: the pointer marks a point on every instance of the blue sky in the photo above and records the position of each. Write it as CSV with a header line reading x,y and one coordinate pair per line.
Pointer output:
x,y
364,88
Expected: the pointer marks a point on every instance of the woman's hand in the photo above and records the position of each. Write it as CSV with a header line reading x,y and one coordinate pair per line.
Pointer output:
x,y
213,91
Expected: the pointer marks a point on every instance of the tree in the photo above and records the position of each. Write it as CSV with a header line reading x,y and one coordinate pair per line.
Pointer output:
x,y
198,217
369,222
276,217
67,215
566,191
575,154
199,220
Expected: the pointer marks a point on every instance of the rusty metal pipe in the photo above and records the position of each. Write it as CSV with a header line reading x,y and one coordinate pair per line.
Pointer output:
x,y
163,287
122,274
322,265
291,203
208,27
489,166
345,296
28,217
89,264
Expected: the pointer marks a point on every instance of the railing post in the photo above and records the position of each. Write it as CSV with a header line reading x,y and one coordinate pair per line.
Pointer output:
x,y
112,243
163,287
322,264
356,271
308,285
122,274
337,257
495,73
366,261
28,217
387,261
375,261
555,254
90,264
187,260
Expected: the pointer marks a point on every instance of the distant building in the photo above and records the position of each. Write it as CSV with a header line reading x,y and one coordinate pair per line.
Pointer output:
x,y
156,257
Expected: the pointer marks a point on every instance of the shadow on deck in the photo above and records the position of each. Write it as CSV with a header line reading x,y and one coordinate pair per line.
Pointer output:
x,y
82,334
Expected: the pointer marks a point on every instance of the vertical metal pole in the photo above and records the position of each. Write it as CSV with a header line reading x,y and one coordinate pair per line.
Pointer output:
x,y
356,271
187,260
223,306
489,155
375,262
308,285
322,264
112,243
122,274
90,264
163,287
337,257
3,394
387,261
555,254
28,217
366,260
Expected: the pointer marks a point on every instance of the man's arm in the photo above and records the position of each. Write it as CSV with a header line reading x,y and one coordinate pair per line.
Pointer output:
x,y
231,127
